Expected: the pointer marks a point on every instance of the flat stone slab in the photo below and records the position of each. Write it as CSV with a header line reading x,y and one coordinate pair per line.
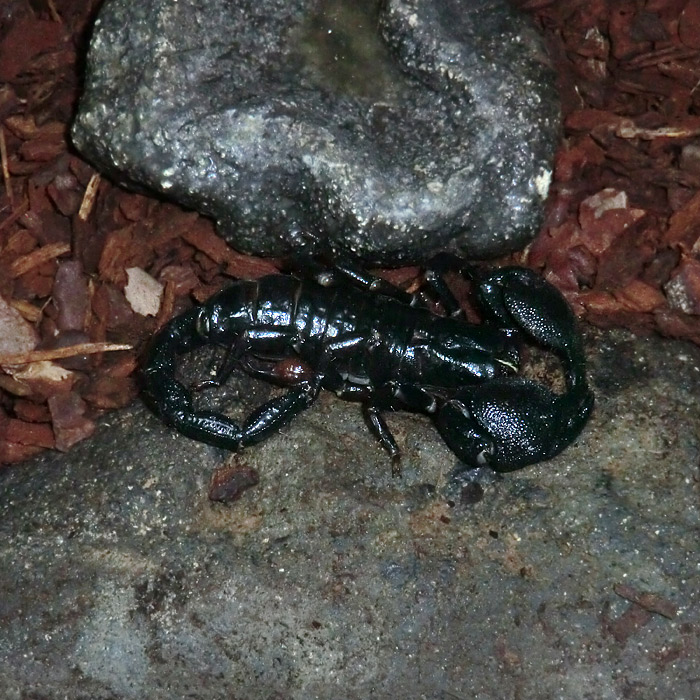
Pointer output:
x,y
331,579
394,129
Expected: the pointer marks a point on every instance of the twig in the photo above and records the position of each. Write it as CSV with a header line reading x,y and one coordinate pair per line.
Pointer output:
x,y
24,358
6,169
627,130
89,197
23,206
54,12
649,601
38,257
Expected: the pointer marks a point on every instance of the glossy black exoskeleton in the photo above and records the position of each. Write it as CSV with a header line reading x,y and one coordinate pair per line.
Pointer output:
x,y
368,341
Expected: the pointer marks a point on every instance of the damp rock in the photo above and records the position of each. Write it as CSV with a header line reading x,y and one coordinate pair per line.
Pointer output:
x,y
394,129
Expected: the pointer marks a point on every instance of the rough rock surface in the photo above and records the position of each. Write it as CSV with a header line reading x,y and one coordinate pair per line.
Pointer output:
x,y
331,579
396,130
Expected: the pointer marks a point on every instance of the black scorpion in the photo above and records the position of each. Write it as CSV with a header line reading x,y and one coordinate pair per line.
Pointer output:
x,y
366,340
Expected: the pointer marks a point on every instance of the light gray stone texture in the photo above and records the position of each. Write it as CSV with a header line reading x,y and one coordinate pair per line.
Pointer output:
x,y
331,580
395,129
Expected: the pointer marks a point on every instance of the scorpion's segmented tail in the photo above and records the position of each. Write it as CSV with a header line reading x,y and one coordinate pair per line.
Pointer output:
x,y
170,399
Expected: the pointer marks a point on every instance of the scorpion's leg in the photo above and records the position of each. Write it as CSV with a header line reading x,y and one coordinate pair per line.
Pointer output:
x,y
380,429
275,413
330,267
371,412
389,397
343,273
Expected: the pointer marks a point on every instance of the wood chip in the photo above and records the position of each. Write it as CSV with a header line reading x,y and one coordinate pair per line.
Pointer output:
x,y
89,197
11,359
143,292
5,169
649,601
38,257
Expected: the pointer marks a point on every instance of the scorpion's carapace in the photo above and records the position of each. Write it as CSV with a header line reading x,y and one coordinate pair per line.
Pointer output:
x,y
343,330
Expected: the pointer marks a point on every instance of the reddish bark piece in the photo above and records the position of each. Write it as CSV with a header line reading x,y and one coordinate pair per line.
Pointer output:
x,y
649,601
70,296
684,225
42,379
683,289
640,297
32,412
604,216
16,335
675,324
590,119
42,149
38,257
27,38
24,433
143,293
228,483
134,207
181,277
119,365
689,24
66,193
14,452
627,255
599,302
110,305
571,161
249,267
69,422
115,254
19,243
111,392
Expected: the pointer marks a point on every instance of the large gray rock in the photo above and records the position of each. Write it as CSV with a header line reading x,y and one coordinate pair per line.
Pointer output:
x,y
396,128
333,580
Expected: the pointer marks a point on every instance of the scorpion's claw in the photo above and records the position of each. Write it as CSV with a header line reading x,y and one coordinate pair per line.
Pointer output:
x,y
519,298
509,423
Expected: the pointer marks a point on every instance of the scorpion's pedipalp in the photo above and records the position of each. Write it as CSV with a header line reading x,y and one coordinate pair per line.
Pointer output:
x,y
521,298
512,422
